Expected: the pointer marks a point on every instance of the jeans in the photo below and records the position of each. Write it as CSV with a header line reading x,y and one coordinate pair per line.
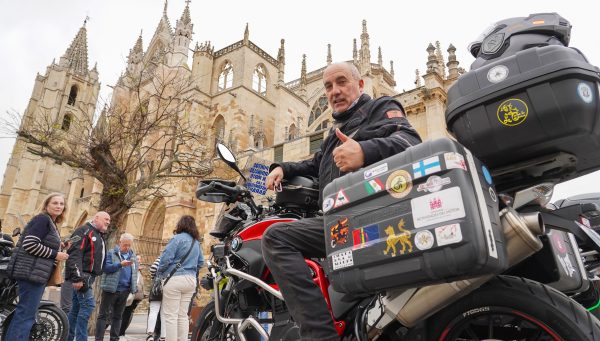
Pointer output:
x,y
30,295
112,304
284,246
83,305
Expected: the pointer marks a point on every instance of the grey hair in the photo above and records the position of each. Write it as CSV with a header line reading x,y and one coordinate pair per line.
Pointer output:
x,y
351,67
126,236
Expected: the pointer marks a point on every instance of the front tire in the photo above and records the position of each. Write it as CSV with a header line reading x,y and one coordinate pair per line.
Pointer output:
x,y
207,327
512,308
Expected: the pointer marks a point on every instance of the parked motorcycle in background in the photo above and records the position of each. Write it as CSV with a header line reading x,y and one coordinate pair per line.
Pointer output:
x,y
51,323
447,240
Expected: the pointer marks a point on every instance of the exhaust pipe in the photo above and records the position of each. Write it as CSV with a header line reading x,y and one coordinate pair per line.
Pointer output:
x,y
520,233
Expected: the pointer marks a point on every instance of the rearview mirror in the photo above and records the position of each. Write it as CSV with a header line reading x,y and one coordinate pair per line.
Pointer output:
x,y
227,156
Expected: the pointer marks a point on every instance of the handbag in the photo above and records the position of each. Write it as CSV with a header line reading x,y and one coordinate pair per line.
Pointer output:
x,y
56,277
156,291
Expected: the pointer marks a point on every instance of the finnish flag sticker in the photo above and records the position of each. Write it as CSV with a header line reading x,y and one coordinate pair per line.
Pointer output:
x,y
426,167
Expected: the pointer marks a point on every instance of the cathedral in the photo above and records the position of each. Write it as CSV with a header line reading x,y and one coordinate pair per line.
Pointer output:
x,y
240,92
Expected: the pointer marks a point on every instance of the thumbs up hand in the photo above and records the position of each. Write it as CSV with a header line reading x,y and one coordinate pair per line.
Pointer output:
x,y
349,156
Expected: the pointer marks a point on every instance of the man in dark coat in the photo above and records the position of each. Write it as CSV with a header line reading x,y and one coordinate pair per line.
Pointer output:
x,y
86,258
365,131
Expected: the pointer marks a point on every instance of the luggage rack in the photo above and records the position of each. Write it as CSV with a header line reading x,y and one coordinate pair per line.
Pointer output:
x,y
553,168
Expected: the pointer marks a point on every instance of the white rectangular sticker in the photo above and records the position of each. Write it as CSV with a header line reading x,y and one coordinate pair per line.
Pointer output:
x,y
437,207
382,168
342,259
455,161
448,234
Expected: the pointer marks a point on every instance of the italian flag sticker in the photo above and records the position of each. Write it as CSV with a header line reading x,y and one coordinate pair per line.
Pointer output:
x,y
373,186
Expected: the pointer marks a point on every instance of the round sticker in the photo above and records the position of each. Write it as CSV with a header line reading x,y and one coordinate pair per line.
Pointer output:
x,y
93,239
585,92
493,194
399,184
497,74
512,112
486,175
424,240
328,204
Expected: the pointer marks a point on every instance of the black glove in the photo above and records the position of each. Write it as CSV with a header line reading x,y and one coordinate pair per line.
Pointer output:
x,y
86,283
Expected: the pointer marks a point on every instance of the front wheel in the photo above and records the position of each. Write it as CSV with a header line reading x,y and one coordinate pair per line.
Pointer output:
x,y
51,324
511,308
207,327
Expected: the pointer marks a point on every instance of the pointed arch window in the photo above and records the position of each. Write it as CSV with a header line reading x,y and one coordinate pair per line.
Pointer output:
x,y
218,129
66,123
318,108
259,80
72,95
293,132
226,77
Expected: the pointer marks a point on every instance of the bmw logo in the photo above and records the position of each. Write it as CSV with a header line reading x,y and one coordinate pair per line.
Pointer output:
x,y
236,243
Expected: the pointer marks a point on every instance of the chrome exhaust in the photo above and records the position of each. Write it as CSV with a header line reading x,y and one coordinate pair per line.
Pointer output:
x,y
520,233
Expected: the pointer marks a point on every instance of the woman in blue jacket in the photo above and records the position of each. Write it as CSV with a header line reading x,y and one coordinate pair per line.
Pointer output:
x,y
181,286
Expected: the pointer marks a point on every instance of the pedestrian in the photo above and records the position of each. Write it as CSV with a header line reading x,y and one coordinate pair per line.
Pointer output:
x,y
86,259
119,279
154,324
179,266
32,263
133,300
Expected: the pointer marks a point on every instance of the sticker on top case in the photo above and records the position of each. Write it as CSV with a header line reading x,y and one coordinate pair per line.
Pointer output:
x,y
424,240
437,207
340,199
342,259
427,166
433,184
448,234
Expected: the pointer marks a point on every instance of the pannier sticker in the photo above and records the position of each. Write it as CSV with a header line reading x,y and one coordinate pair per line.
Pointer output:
x,y
559,243
373,186
328,204
486,175
392,240
399,184
433,184
497,74
448,234
424,240
437,207
493,195
455,161
426,167
585,93
342,259
339,232
382,168
341,199
567,265
365,236
512,112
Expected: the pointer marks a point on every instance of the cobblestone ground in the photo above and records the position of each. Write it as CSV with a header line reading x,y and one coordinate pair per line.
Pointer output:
x,y
135,332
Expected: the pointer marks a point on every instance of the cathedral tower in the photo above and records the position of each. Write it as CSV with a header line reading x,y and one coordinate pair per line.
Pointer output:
x,y
66,93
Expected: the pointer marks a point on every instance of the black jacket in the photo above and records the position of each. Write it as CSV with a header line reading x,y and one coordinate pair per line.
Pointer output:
x,y
374,124
86,254
25,266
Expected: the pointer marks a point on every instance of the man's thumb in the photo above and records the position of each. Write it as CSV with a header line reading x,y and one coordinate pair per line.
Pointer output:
x,y
341,135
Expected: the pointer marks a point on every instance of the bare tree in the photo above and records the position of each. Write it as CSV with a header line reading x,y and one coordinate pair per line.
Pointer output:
x,y
142,140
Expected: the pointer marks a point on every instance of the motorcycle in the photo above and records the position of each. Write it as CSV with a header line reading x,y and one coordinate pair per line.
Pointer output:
x,y
508,305
51,323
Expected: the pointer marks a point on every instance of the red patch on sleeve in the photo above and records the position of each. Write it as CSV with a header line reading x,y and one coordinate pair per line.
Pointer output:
x,y
394,113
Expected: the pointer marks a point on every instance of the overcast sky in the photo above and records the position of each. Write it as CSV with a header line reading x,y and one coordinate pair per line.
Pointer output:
x,y
32,33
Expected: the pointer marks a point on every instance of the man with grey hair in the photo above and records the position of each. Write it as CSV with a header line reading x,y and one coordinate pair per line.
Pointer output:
x,y
365,131
118,281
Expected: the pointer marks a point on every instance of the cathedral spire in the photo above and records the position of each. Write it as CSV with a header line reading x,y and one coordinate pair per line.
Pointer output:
x,y
185,16
329,54
432,61
76,58
392,68
135,55
417,79
440,59
452,63
281,62
354,52
365,52
379,57
303,78
246,35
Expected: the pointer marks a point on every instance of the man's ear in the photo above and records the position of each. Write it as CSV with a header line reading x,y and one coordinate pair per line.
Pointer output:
x,y
361,85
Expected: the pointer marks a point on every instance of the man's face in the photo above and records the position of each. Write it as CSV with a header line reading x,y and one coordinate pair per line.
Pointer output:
x,y
101,221
124,246
340,87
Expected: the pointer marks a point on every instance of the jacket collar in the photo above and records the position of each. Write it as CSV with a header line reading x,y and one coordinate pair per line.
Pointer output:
x,y
341,117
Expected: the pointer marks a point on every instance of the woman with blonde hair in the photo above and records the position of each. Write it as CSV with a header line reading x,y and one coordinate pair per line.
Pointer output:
x,y
33,261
